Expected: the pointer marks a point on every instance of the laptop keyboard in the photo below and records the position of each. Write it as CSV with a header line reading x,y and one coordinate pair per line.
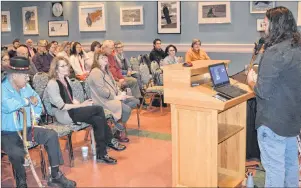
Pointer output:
x,y
231,90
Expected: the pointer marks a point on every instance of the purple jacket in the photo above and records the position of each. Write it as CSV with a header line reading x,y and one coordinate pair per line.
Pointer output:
x,y
42,61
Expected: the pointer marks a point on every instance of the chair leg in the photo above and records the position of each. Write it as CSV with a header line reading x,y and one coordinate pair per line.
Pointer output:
x,y
43,164
87,134
138,116
161,103
143,99
71,157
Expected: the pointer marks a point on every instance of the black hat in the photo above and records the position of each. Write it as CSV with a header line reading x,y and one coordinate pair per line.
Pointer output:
x,y
18,65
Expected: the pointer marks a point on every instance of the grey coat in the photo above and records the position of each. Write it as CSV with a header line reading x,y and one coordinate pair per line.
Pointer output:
x,y
53,92
103,91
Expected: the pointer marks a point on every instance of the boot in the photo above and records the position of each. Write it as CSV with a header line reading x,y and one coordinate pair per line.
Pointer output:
x,y
121,136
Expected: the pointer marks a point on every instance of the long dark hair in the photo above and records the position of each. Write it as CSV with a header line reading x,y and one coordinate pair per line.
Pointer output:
x,y
73,49
282,26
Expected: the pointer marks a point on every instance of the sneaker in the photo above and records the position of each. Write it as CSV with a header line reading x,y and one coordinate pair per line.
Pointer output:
x,y
115,145
106,159
61,181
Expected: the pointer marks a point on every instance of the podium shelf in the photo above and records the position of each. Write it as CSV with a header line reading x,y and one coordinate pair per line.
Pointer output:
x,y
225,131
228,181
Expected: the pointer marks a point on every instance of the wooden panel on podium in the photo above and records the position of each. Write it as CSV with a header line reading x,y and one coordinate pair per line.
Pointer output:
x,y
208,135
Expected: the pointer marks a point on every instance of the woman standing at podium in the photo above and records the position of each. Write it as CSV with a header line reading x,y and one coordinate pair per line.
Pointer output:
x,y
277,89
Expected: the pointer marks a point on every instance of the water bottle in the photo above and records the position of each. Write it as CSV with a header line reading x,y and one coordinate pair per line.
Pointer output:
x,y
250,181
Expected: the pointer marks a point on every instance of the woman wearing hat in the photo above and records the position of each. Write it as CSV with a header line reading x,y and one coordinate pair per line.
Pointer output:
x,y
195,52
17,95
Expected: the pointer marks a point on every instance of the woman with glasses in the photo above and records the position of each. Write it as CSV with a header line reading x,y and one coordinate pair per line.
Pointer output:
x,y
68,110
171,51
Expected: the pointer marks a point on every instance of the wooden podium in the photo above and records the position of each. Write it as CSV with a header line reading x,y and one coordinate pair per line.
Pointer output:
x,y
208,135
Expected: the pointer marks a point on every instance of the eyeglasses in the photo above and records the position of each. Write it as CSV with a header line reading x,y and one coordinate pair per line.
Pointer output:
x,y
119,46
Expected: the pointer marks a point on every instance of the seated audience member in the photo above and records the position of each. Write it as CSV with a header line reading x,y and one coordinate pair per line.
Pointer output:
x,y
107,48
195,52
22,51
17,95
78,60
13,51
42,60
4,64
124,63
32,51
68,110
64,50
105,92
171,51
95,48
52,50
56,45
157,53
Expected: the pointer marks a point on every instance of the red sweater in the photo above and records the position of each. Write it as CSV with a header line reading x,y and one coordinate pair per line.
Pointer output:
x,y
114,68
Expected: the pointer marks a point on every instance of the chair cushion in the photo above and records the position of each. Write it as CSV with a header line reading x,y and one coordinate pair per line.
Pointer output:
x,y
61,129
78,127
155,89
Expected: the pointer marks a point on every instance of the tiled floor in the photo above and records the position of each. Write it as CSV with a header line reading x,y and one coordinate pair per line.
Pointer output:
x,y
145,163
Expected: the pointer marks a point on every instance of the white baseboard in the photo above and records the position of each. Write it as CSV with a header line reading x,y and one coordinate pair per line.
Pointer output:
x,y
217,48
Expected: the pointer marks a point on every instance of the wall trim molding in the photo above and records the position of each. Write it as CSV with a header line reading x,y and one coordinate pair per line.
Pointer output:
x,y
216,48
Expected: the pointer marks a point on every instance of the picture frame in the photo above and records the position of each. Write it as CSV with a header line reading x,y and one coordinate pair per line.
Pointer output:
x,y
58,28
92,17
260,25
169,17
131,15
30,20
299,14
214,12
5,21
260,7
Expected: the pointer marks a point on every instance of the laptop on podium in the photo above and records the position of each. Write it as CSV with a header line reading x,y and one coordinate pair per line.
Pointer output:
x,y
221,81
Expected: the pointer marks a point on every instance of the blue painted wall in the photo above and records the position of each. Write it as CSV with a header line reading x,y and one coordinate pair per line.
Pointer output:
x,y
241,30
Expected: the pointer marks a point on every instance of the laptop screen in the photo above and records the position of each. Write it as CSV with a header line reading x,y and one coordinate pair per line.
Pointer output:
x,y
219,75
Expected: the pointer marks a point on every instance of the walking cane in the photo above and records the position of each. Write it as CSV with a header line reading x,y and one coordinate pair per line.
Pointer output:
x,y
27,156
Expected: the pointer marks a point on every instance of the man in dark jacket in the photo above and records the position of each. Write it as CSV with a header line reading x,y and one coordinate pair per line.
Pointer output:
x,y
13,51
157,53
42,59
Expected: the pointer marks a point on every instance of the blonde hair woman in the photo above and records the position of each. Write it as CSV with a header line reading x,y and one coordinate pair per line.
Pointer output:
x,y
64,50
68,110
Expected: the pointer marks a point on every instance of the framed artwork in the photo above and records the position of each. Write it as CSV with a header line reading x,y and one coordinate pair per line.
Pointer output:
x,y
58,28
214,12
260,25
260,7
5,21
169,17
299,14
92,17
30,20
131,15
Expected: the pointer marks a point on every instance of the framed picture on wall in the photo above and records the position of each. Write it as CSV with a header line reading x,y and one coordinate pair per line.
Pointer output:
x,y
299,14
169,17
214,12
260,25
58,28
131,15
30,20
5,21
92,17
260,7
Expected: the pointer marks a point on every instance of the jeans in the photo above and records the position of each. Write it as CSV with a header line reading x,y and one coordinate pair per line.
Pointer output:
x,y
279,157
